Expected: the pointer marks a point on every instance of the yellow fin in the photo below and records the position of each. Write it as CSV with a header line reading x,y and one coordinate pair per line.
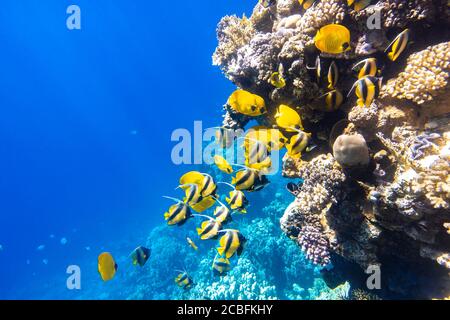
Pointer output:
x,y
220,250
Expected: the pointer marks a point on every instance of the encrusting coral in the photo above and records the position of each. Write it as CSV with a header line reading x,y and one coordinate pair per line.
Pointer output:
x,y
425,76
398,206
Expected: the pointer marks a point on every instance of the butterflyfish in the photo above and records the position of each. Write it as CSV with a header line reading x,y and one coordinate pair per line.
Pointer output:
x,y
247,103
333,38
288,119
222,164
107,267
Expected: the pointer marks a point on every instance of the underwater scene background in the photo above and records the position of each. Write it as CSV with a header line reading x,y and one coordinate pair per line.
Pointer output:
x,y
88,116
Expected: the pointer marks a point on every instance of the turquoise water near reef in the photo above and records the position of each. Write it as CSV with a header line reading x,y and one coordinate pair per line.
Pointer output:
x,y
87,117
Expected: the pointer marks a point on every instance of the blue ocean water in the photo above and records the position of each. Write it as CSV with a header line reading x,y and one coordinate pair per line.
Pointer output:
x,y
85,131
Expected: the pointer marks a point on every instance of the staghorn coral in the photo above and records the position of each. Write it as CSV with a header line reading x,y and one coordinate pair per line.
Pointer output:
x,y
425,76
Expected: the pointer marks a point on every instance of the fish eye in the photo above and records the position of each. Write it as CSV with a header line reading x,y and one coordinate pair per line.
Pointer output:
x,y
345,45
253,108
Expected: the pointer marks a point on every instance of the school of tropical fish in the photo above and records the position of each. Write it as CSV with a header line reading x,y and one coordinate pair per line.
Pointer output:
x,y
201,190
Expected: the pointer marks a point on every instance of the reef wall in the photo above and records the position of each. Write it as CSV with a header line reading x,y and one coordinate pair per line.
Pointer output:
x,y
393,208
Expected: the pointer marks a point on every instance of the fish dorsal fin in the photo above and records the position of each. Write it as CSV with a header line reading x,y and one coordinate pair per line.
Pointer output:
x,y
353,87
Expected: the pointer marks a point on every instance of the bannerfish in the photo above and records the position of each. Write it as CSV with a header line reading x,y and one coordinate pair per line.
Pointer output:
x,y
237,201
140,255
318,68
288,119
255,151
333,75
247,103
197,178
267,3
333,38
398,45
107,267
191,243
193,193
183,280
225,137
367,89
277,80
358,5
178,214
222,214
332,100
306,3
367,67
273,139
298,144
263,166
222,164
208,186
250,180
232,242
221,266
209,229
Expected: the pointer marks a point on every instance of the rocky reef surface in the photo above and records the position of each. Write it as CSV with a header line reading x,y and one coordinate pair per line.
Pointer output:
x,y
377,188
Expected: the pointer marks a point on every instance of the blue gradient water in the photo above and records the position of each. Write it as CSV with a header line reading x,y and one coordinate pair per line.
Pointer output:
x,y
86,122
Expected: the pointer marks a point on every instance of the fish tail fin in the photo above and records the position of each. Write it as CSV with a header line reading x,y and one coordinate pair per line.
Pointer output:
x,y
220,250
199,231
233,180
244,211
166,215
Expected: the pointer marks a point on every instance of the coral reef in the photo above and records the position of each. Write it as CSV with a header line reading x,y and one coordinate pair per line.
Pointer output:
x,y
395,211
351,150
425,76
